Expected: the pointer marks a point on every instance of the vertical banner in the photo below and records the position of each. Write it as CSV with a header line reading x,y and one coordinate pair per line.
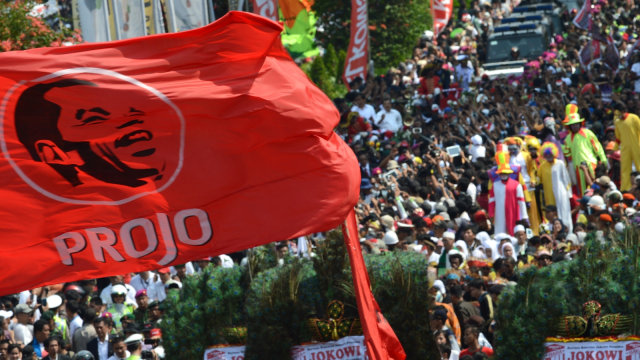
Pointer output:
x,y
186,14
149,19
358,52
129,16
440,13
93,18
266,8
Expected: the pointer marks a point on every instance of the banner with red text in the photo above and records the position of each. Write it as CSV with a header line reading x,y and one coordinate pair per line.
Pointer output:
x,y
358,53
347,348
266,8
440,13
594,350
137,154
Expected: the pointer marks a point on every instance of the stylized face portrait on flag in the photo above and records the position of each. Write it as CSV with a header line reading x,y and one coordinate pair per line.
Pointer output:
x,y
151,151
94,128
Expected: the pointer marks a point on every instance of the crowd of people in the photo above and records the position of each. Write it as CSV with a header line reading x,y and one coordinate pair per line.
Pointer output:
x,y
486,176
483,176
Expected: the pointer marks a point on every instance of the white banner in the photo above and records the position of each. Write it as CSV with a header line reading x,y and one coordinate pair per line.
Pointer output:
x,y
347,348
129,18
187,14
94,20
596,350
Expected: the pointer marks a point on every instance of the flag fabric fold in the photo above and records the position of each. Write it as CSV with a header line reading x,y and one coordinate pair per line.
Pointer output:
x,y
142,153
381,341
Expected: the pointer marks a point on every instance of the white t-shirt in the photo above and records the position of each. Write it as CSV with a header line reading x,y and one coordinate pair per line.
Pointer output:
x,y
23,333
368,112
389,121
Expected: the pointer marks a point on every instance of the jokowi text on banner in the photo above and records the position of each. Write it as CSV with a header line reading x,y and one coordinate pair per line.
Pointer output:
x,y
358,52
140,153
266,8
441,13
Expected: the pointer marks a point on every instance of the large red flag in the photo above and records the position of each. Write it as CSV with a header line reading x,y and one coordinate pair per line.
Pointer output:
x,y
357,59
381,341
136,154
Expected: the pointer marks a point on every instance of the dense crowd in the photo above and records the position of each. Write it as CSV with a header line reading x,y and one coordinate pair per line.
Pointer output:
x,y
483,176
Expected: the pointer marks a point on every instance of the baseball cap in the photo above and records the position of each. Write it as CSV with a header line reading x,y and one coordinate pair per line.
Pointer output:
x,y
22,309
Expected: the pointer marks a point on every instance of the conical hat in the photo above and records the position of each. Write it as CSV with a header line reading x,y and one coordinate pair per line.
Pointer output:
x,y
502,159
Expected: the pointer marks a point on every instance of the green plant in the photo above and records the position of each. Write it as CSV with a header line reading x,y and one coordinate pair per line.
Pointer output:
x,y
205,308
400,283
19,30
528,312
278,305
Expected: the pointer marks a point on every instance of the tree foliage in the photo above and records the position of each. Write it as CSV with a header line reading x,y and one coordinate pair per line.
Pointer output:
x,y
326,72
19,30
395,27
607,272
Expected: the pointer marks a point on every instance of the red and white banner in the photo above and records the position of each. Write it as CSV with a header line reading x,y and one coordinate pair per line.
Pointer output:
x,y
358,53
441,14
266,8
347,348
137,154
582,19
596,350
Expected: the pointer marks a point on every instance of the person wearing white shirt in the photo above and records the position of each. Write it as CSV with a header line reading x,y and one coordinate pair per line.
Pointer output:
x,y
366,111
464,72
388,119
120,351
23,330
72,309
142,280
156,291
105,295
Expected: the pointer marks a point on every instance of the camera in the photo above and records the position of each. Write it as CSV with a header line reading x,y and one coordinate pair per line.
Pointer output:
x,y
146,354
416,130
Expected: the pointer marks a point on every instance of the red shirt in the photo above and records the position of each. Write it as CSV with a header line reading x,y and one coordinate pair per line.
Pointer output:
x,y
467,351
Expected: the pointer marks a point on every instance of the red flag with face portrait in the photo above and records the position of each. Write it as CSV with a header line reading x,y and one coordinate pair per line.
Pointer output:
x,y
142,153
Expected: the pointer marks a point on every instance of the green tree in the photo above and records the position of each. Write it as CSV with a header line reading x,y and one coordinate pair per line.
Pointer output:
x,y
19,30
395,27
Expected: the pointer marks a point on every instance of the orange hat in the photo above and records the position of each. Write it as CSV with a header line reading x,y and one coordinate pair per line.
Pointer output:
x,y
628,196
606,217
610,146
502,159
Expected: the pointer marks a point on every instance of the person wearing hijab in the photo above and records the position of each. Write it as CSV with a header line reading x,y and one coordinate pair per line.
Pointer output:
x,y
508,251
477,150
